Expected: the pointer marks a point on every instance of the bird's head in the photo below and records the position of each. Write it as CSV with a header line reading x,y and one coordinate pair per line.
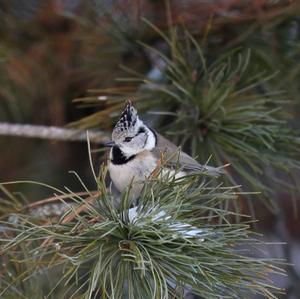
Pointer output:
x,y
130,134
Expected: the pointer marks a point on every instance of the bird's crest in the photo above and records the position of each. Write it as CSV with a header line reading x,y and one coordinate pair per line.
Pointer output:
x,y
128,121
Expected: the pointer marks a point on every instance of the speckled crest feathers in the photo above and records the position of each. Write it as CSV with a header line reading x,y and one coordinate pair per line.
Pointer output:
x,y
128,122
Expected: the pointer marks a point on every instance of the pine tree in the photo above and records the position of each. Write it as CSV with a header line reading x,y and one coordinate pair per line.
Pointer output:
x,y
222,102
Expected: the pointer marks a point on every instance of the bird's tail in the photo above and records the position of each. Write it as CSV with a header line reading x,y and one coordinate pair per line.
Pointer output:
x,y
215,171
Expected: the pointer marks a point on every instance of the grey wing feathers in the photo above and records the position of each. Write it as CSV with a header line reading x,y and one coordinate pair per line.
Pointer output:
x,y
169,149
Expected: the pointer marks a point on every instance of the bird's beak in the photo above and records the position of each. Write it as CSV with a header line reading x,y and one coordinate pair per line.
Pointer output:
x,y
109,144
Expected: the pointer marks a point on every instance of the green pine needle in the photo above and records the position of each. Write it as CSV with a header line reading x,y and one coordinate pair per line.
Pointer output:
x,y
220,107
177,238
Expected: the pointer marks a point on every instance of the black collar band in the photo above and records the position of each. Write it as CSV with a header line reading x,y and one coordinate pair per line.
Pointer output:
x,y
118,157
155,135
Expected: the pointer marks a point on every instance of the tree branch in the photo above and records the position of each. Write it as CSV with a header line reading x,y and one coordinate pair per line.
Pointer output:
x,y
54,133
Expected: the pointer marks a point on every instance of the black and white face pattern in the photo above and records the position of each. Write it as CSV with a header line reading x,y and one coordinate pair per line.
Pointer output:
x,y
131,135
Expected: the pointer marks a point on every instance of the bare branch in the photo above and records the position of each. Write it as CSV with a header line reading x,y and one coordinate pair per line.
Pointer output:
x,y
54,133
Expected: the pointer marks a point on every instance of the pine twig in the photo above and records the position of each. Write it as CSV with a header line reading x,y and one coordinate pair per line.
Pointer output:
x,y
54,133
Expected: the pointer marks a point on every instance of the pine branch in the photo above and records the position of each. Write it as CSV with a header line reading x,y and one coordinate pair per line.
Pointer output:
x,y
219,106
177,238
53,133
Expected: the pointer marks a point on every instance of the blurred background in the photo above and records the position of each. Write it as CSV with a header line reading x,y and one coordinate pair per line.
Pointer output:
x,y
66,63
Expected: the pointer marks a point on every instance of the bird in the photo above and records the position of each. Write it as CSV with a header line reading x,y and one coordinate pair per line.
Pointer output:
x,y
136,152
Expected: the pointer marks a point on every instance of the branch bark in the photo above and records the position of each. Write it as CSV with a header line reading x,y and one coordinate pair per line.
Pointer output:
x,y
52,133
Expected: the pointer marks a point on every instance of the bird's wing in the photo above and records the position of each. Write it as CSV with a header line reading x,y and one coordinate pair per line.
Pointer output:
x,y
170,152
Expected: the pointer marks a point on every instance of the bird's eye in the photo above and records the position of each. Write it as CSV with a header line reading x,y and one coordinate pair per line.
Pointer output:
x,y
128,139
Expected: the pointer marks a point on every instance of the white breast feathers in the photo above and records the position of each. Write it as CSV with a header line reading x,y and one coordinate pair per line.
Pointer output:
x,y
135,170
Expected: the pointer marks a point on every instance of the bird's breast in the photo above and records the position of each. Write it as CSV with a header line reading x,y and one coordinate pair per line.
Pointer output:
x,y
135,170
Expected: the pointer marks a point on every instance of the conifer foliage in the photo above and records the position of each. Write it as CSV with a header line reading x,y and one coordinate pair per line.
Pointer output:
x,y
176,240
207,83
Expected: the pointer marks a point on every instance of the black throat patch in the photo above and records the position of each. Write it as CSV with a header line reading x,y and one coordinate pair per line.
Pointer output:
x,y
118,157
